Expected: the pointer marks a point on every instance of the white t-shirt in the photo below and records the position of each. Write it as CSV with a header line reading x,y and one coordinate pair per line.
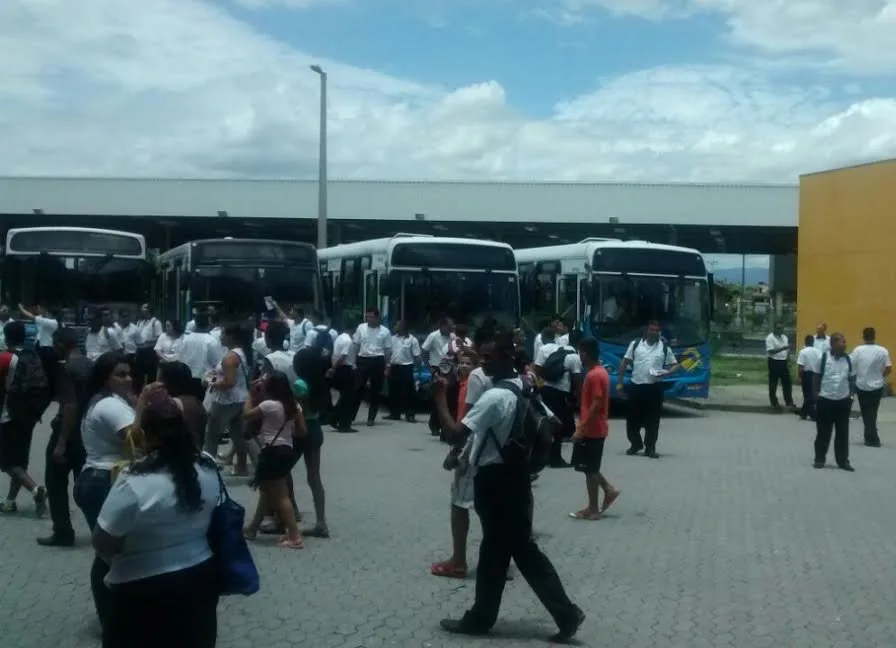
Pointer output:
x,y
822,344
835,379
190,327
572,364
646,358
239,392
46,326
344,346
808,359
404,350
297,333
149,331
168,348
776,342
130,338
372,342
282,361
201,353
104,340
494,411
437,346
869,362
562,340
159,537
102,430
477,384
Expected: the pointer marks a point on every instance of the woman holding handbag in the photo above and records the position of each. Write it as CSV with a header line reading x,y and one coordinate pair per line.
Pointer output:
x,y
272,404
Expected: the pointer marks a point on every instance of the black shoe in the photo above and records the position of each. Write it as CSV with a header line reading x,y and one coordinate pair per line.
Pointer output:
x,y
872,444
370,422
560,463
391,418
412,419
631,452
348,430
462,627
818,464
56,541
569,630
847,467
651,454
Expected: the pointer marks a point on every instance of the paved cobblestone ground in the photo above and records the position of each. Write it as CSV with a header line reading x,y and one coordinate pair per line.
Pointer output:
x,y
731,539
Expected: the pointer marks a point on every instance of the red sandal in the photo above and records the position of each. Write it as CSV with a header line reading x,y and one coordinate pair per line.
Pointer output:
x,y
449,570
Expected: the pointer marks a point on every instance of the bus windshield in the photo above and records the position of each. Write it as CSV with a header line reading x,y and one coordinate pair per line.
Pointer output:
x,y
73,282
243,289
421,299
622,306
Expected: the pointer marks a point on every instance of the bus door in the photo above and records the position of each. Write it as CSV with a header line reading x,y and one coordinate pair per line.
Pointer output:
x,y
568,299
371,291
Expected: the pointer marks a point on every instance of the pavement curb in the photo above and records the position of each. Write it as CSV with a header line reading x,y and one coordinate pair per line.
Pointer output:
x,y
742,408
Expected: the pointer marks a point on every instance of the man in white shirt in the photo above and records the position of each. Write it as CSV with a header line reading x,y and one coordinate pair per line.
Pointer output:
x,y
201,353
822,340
405,357
149,328
834,389
872,365
777,348
344,379
561,369
561,334
806,366
100,338
373,343
275,335
503,498
299,327
651,360
435,347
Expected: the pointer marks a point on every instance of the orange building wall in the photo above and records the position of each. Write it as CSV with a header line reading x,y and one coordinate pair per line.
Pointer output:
x,y
846,255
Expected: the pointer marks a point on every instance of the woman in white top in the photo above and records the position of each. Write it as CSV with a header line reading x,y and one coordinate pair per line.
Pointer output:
x,y
152,530
227,392
273,407
169,342
109,416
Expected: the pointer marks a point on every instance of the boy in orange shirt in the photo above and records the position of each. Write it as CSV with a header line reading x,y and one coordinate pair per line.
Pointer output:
x,y
592,431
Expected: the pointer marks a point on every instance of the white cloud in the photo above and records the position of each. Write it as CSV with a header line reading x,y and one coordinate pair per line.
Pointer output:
x,y
180,88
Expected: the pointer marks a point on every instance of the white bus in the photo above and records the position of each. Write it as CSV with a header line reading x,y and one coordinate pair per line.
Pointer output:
x,y
420,279
611,289
235,275
75,269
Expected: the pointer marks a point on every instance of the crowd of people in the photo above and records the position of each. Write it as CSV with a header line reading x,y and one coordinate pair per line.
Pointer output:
x,y
149,413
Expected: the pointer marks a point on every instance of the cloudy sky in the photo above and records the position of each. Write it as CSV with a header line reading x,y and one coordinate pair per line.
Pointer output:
x,y
623,90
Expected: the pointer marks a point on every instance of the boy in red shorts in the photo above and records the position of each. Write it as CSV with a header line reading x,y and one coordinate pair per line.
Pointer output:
x,y
592,431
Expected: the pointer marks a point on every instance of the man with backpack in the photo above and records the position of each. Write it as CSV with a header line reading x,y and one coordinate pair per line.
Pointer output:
x,y
322,341
65,451
502,446
650,359
835,386
560,367
26,394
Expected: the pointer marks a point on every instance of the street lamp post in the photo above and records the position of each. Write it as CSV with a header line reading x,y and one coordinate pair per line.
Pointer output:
x,y
322,162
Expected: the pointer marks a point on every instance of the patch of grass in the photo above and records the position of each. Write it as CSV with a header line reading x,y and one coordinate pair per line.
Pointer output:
x,y
727,370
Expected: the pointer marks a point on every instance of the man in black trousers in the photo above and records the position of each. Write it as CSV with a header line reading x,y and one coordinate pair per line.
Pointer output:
x,y
834,391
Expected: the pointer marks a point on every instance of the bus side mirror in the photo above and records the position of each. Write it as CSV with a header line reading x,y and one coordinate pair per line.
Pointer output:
x,y
712,296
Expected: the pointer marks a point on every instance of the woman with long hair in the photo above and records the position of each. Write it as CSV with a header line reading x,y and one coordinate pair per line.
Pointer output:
x,y
179,383
228,392
109,417
312,390
152,530
273,405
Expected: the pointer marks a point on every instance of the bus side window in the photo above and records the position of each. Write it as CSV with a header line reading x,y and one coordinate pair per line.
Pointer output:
x,y
351,287
527,289
546,290
567,296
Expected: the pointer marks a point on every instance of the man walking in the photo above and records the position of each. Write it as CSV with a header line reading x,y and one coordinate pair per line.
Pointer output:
x,y
806,366
871,363
651,360
777,347
834,389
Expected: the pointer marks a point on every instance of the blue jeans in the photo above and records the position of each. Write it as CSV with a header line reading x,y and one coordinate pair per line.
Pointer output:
x,y
90,491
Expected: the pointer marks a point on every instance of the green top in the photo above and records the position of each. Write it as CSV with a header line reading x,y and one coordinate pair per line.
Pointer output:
x,y
300,391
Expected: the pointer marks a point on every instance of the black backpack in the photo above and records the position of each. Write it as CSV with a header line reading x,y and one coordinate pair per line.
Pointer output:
x,y
824,362
28,391
529,444
323,343
554,367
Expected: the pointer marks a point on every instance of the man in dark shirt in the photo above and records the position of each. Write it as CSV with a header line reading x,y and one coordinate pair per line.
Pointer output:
x,y
65,451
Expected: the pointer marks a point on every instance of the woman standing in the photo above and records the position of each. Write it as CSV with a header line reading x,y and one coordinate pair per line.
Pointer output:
x,y
273,405
311,389
108,419
152,530
178,382
169,343
227,394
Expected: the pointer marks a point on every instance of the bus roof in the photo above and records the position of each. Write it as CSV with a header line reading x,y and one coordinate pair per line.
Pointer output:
x,y
586,249
93,230
184,247
386,245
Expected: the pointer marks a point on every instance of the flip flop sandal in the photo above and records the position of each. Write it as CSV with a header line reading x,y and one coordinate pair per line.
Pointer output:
x,y
446,570
582,515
